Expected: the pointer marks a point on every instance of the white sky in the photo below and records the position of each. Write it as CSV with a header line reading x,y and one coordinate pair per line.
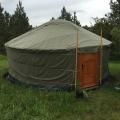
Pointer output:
x,y
40,11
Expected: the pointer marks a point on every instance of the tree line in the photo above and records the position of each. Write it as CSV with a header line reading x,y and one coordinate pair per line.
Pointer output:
x,y
110,25
13,25
68,16
18,23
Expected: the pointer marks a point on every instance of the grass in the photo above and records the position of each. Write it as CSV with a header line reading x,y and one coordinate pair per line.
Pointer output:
x,y
3,62
115,68
27,103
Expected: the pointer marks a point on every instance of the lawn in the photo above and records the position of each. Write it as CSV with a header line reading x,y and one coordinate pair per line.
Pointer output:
x,y
18,102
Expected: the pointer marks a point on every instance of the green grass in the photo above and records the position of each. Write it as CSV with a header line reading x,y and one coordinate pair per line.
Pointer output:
x,y
115,69
27,103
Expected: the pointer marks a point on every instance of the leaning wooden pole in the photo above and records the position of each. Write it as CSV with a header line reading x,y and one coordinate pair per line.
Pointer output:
x,y
101,55
76,62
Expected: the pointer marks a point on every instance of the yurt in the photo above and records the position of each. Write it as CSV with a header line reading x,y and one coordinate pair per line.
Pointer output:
x,y
46,56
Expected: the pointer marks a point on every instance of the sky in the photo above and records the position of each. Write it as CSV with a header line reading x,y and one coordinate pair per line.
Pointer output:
x,y
41,11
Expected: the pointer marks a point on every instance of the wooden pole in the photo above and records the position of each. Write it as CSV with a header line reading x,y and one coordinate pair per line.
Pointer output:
x,y
76,62
101,55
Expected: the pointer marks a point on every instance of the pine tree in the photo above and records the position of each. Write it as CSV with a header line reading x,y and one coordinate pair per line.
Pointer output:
x,y
2,29
114,15
7,25
63,13
19,22
75,20
68,16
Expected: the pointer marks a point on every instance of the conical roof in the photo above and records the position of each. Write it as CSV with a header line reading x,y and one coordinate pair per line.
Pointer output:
x,y
56,35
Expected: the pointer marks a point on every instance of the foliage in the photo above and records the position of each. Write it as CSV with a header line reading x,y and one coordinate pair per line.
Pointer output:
x,y
114,16
103,24
116,41
12,25
114,19
68,16
109,23
75,20
19,22
4,33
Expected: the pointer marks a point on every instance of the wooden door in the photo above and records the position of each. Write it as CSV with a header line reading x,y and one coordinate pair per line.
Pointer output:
x,y
88,69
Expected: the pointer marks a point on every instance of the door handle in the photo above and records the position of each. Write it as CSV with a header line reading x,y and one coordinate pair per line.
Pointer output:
x,y
82,66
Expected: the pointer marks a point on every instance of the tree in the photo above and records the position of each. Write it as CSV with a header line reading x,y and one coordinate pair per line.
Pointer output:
x,y
110,25
114,15
102,23
7,25
12,26
19,22
116,41
4,28
1,28
68,16
114,20
65,15
75,20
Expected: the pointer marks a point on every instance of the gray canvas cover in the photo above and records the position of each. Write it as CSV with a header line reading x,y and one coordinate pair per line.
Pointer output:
x,y
56,35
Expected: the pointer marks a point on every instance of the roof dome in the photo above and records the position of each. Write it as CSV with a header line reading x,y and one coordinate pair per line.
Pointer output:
x,y
55,35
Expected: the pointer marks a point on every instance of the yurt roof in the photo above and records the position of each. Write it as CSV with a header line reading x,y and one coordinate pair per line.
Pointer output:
x,y
55,35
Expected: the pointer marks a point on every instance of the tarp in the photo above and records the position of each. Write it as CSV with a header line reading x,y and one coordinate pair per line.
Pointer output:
x,y
49,68
56,35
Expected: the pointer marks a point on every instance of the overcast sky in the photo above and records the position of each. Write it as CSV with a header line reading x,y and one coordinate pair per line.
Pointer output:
x,y
40,11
